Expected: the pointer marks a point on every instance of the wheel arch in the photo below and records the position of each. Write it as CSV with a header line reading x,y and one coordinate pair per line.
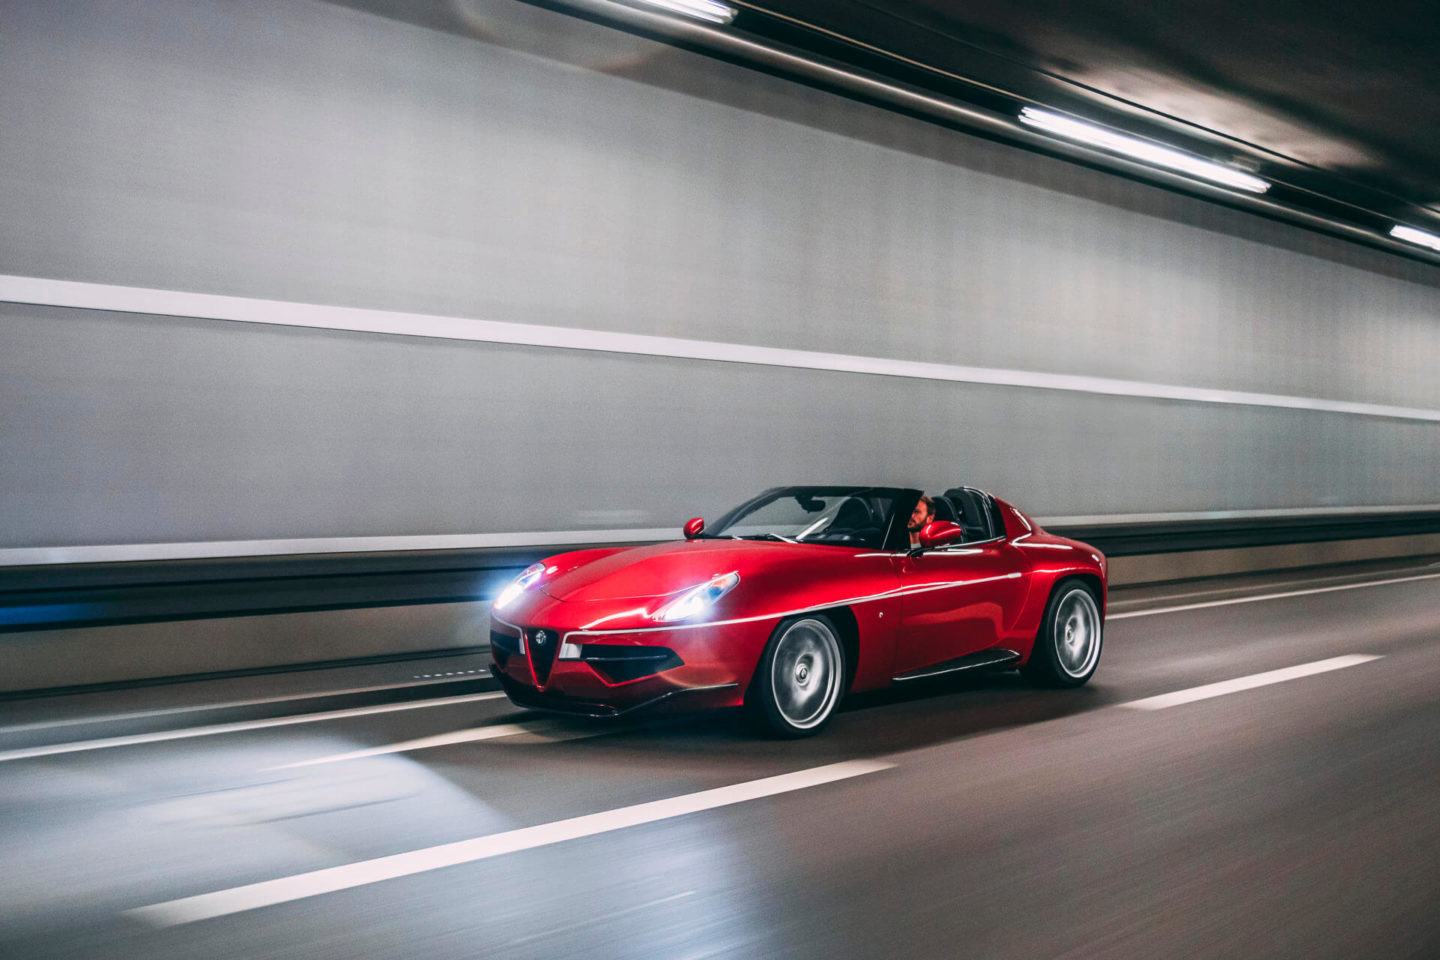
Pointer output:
x,y
1033,620
1091,580
849,629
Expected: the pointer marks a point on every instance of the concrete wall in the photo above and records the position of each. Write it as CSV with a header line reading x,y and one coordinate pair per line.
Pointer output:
x,y
552,172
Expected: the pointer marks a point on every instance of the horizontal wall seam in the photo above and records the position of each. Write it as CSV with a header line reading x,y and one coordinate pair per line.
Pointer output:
x,y
218,549
173,303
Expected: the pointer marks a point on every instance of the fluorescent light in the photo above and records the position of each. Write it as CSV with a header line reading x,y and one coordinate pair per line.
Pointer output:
x,y
1411,235
1141,150
711,11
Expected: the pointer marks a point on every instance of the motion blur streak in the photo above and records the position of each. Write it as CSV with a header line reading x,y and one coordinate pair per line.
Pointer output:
x,y
254,896
551,731
1267,596
243,726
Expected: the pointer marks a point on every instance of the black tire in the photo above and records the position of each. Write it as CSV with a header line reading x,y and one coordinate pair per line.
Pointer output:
x,y
1062,656
799,680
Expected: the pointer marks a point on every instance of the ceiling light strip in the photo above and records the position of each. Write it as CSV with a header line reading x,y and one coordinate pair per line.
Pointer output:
x,y
1142,150
709,11
1418,237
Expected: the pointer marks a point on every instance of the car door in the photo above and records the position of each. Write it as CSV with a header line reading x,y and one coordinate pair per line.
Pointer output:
x,y
956,601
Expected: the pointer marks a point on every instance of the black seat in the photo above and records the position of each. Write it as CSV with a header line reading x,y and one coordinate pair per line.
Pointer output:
x,y
852,515
970,506
854,522
943,510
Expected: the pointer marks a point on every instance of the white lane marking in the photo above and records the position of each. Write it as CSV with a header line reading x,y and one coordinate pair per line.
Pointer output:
x,y
1268,596
300,886
241,726
1248,683
548,730
590,922
227,705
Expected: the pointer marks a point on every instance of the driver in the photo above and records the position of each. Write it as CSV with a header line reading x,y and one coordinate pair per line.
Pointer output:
x,y
923,513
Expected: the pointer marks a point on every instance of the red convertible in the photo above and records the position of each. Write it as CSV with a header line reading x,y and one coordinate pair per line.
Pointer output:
x,y
796,598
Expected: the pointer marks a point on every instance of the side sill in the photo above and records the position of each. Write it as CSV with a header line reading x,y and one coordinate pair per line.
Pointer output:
x,y
997,657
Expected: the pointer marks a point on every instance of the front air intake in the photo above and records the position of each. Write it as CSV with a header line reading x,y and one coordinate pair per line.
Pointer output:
x,y
621,663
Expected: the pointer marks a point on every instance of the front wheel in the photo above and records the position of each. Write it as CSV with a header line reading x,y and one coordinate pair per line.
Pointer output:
x,y
799,680
1067,648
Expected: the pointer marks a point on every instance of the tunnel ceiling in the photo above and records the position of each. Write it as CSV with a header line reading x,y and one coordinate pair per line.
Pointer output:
x,y
1338,100
1351,89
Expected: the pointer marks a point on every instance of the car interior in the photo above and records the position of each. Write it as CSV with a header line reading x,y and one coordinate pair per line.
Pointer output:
x,y
973,509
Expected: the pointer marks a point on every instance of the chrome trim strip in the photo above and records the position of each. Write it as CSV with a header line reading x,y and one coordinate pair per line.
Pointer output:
x,y
780,615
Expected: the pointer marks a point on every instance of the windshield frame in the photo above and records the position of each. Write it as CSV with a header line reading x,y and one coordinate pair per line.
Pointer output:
x,y
902,498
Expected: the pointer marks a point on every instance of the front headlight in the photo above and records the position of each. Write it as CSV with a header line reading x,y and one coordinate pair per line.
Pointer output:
x,y
518,586
697,600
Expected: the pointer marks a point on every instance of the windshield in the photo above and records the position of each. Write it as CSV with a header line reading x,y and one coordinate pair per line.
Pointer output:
x,y
849,516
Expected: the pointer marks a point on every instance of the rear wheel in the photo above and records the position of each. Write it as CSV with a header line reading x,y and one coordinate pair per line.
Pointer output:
x,y
798,682
1067,648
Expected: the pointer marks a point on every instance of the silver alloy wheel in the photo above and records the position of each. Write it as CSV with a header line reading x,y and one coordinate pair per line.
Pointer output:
x,y
805,673
1077,633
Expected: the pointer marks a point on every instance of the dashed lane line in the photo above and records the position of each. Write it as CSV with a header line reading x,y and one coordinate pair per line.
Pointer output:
x,y
1224,687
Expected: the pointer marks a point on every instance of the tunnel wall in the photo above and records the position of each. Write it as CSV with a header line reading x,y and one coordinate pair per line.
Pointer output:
x,y
545,171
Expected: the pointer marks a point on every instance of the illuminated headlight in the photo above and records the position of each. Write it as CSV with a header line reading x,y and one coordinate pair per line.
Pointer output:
x,y
697,600
518,586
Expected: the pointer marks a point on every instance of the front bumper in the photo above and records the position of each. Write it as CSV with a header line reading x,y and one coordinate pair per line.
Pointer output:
x,y
690,668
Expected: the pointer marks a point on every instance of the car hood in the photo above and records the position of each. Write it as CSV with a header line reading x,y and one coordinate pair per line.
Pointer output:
x,y
643,573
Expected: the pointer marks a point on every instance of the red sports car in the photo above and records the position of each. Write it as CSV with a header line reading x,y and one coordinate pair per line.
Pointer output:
x,y
796,598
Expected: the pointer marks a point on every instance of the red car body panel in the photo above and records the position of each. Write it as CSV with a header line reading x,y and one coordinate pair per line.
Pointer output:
x,y
896,613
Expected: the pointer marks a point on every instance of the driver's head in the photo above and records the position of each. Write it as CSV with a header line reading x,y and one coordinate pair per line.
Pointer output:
x,y
923,513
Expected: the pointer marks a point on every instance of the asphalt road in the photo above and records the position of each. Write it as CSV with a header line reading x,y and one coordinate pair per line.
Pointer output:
x,y
1290,816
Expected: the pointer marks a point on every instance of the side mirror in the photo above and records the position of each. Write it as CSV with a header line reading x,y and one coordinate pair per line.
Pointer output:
x,y
940,533
694,527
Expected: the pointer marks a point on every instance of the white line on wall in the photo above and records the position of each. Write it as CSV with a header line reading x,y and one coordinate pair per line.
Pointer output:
x,y
176,303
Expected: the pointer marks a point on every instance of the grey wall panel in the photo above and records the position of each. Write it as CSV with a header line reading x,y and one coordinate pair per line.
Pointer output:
x,y
556,172
135,429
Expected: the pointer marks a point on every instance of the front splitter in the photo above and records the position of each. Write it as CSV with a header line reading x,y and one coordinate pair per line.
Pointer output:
x,y
530,698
